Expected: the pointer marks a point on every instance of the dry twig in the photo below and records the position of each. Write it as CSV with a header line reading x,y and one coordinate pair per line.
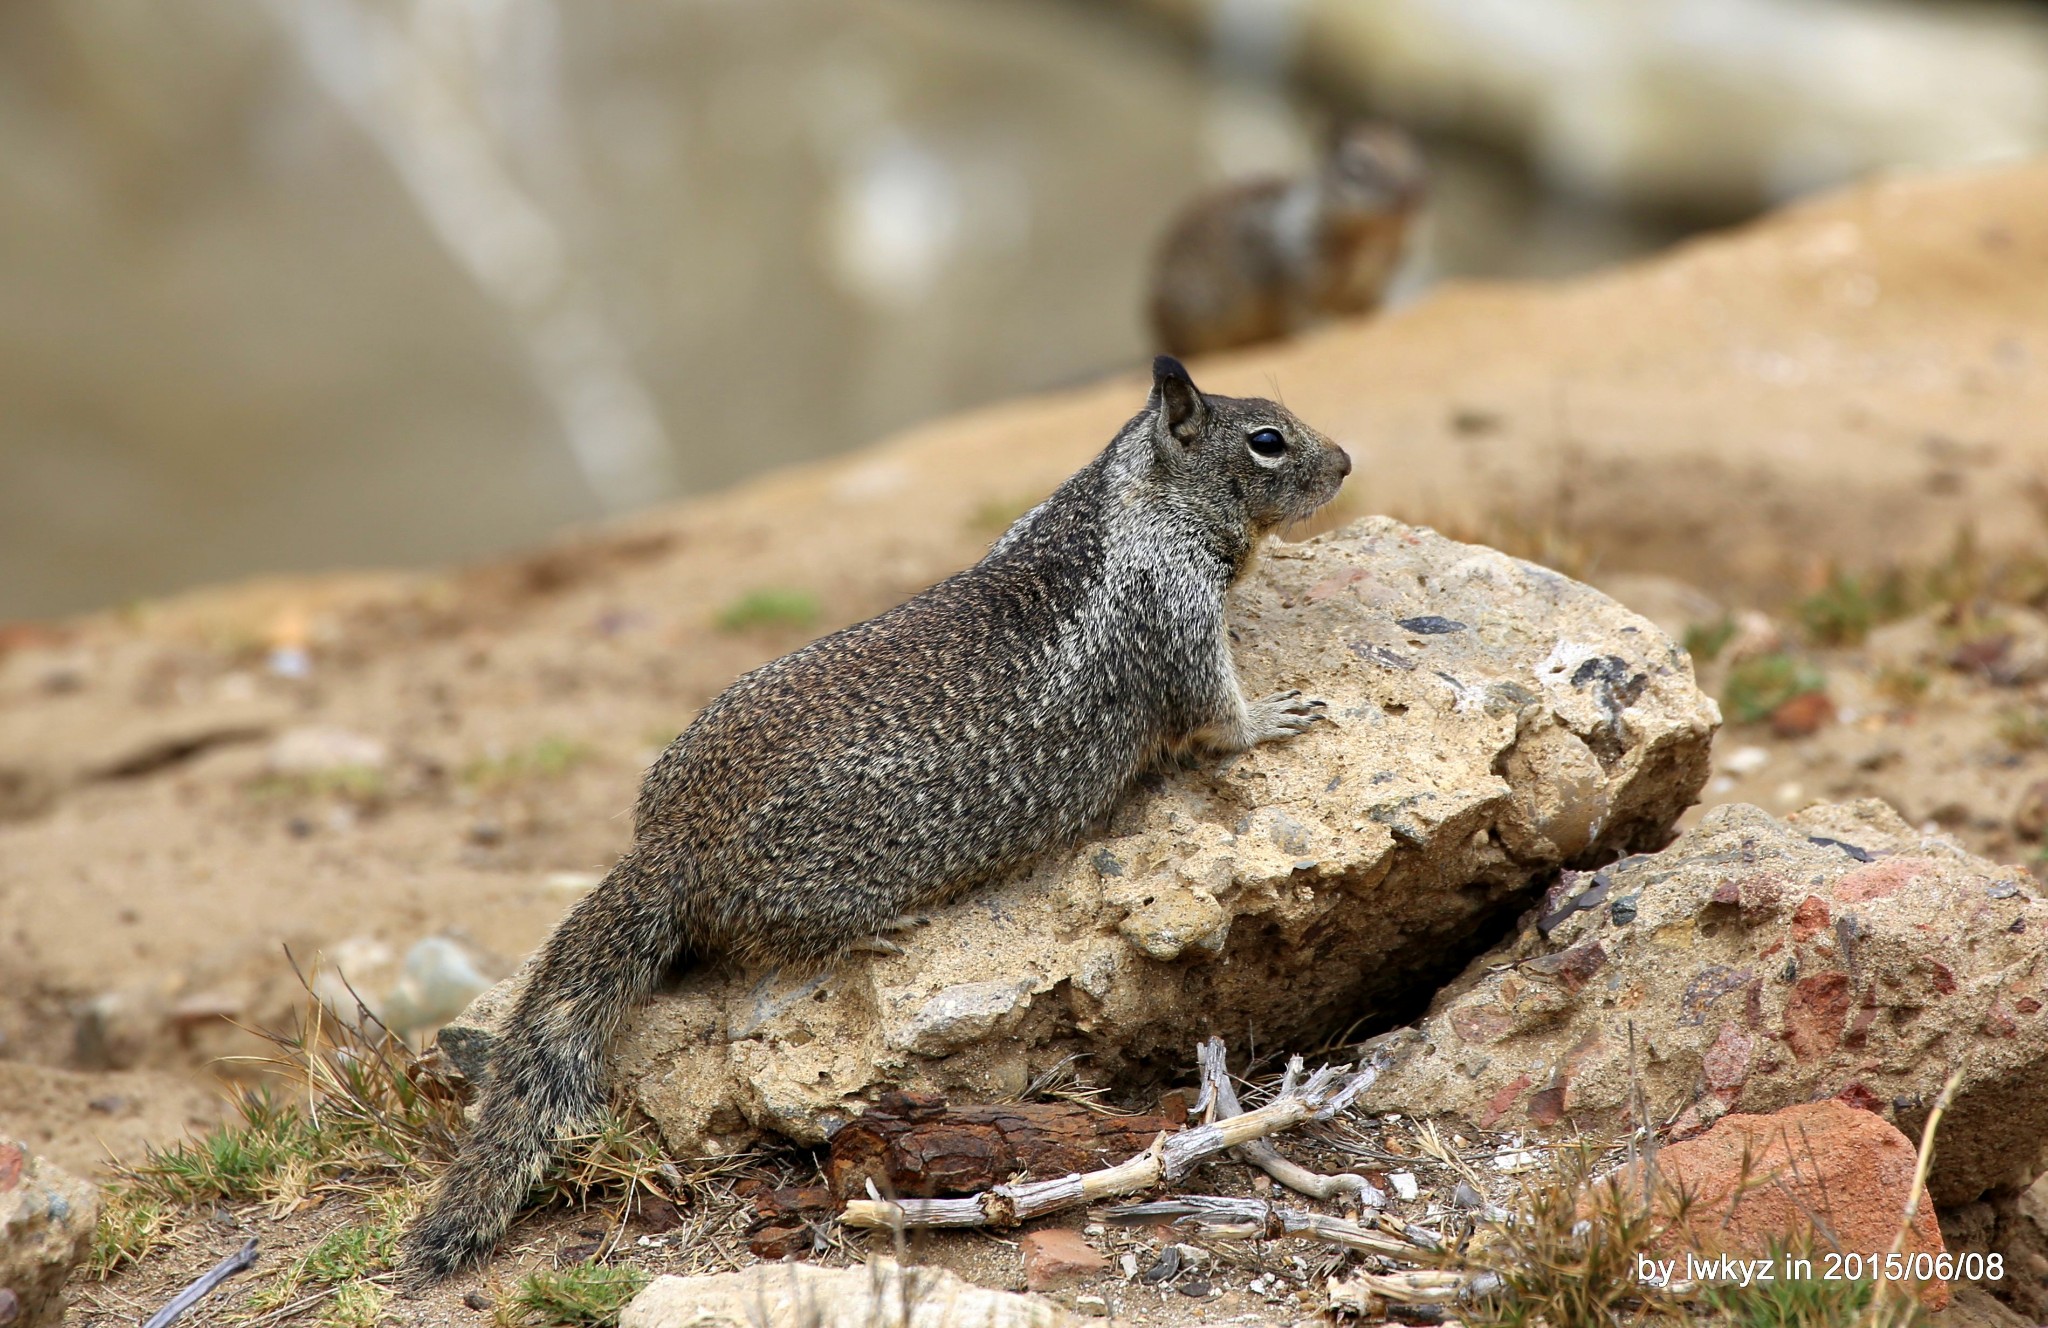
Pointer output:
x,y
1325,1093
204,1286
1219,1094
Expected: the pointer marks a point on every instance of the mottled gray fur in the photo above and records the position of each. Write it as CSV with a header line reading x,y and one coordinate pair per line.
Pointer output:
x,y
890,766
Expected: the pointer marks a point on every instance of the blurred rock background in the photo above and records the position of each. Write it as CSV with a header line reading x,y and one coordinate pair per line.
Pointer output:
x,y
317,283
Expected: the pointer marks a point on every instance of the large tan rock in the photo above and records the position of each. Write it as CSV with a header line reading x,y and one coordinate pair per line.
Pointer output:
x,y
1754,964
46,1223
801,1295
1492,720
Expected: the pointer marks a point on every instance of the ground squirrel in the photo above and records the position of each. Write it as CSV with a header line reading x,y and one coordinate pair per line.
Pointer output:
x,y
890,766
1255,262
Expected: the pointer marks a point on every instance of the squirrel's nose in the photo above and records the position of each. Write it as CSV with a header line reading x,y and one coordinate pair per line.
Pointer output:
x,y
1343,462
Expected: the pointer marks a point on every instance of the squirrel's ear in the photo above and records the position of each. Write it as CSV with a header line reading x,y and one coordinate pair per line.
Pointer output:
x,y
1183,410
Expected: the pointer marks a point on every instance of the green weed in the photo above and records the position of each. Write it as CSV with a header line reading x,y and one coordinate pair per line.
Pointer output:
x,y
2023,729
355,783
588,1295
550,758
769,608
1791,1302
1843,611
1760,684
1705,641
996,515
355,1305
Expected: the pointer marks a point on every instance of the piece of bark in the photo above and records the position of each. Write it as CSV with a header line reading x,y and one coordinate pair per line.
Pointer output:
x,y
912,1145
787,1219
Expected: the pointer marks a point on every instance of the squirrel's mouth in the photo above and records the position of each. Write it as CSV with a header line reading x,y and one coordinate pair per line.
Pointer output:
x,y
1311,503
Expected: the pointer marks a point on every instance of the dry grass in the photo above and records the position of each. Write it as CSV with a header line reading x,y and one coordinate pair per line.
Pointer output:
x,y
354,1114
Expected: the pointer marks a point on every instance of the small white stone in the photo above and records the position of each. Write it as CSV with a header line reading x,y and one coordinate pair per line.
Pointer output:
x,y
1746,760
1404,1185
1095,1307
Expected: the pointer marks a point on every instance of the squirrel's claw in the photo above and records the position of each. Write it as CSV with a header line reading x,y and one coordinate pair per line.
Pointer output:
x,y
1285,715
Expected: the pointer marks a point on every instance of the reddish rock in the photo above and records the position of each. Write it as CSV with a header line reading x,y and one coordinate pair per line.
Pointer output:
x,y
1726,1064
1498,1104
1816,1015
1809,920
1803,716
1057,1256
1880,880
1574,967
46,1225
1821,1174
1917,959
1546,1108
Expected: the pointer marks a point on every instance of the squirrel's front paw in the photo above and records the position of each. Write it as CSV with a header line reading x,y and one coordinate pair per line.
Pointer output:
x,y
1283,715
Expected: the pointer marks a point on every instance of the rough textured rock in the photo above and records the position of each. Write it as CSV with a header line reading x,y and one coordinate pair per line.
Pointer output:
x,y
46,1222
1492,720
1758,963
799,1295
1823,1175
1974,1307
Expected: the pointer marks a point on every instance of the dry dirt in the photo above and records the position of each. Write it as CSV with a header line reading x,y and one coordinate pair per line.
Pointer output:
x,y
1849,383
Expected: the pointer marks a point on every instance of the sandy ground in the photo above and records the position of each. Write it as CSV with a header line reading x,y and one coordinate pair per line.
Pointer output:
x,y
1849,383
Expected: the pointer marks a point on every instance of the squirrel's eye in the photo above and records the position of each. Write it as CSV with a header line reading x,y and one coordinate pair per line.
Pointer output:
x,y
1267,443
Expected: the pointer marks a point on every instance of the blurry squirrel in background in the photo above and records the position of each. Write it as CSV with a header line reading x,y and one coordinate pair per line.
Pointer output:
x,y
1258,261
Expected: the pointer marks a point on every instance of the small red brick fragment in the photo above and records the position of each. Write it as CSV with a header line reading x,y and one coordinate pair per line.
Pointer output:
x,y
1058,1256
1817,1014
1574,967
1497,1105
1878,880
1726,1064
1809,920
1546,1108
12,1163
1761,896
1857,1094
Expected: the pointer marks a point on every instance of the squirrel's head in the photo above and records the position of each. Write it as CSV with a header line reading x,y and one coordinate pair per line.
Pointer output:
x,y
1244,459
1376,168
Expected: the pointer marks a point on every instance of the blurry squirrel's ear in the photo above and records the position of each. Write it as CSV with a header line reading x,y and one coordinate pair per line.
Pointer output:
x,y
1183,410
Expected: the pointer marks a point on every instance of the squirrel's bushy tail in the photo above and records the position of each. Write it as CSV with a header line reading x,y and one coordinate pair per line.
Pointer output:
x,y
546,1075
